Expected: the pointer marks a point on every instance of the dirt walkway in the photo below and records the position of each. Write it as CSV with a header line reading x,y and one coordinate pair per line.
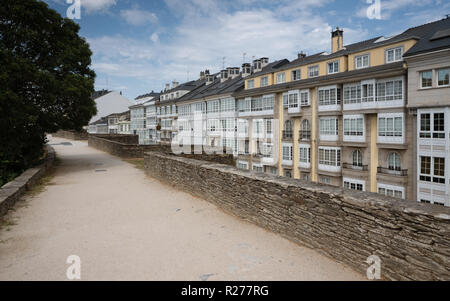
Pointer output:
x,y
125,226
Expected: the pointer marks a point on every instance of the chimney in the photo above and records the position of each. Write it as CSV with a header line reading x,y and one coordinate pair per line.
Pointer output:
x,y
257,66
206,72
301,55
264,62
202,75
246,69
233,72
337,40
167,88
209,79
174,84
223,75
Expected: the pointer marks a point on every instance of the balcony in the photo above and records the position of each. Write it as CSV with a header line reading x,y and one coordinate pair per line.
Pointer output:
x,y
355,167
287,134
395,172
305,135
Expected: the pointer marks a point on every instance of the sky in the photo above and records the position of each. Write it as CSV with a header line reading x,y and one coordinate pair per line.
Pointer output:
x,y
140,45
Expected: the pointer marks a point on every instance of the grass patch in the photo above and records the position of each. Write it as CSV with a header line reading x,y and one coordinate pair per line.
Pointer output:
x,y
6,223
138,163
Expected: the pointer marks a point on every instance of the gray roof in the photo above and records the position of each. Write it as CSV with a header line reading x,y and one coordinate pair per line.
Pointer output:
x,y
151,94
436,37
271,67
216,88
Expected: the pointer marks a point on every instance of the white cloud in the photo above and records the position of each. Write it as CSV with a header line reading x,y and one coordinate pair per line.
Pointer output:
x,y
92,6
138,17
154,37
209,30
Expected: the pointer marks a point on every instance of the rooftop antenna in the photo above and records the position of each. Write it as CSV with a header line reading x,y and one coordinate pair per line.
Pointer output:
x,y
243,59
223,63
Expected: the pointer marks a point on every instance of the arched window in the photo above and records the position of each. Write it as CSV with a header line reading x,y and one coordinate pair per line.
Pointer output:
x,y
394,162
357,158
305,131
288,125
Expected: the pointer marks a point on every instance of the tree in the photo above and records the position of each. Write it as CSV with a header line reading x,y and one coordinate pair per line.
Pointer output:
x,y
45,81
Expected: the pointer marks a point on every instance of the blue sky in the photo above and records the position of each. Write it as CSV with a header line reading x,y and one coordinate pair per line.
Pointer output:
x,y
140,45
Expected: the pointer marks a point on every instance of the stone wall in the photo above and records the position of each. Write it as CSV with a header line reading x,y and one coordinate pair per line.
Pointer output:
x,y
411,239
11,192
123,146
71,135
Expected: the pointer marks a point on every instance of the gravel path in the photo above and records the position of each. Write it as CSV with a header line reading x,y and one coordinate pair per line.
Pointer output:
x,y
126,226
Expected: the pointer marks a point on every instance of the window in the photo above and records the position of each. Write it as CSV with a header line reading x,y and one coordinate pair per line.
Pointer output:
x,y
443,77
257,104
368,91
352,93
268,102
394,54
281,78
258,127
435,174
243,127
432,125
213,125
325,180
200,107
285,100
426,79
333,67
272,170
213,106
392,191
329,126
390,126
227,105
329,96
353,126
250,84
353,184
329,156
304,98
228,125
296,74
268,126
362,61
242,165
293,99
305,131
287,133
258,167
394,162
357,158
287,153
305,154
245,105
390,90
288,173
264,81
267,150
313,71
439,170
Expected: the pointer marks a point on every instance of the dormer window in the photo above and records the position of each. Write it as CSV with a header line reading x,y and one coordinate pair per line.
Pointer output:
x,y
313,71
281,78
362,61
296,74
333,67
394,54
264,81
